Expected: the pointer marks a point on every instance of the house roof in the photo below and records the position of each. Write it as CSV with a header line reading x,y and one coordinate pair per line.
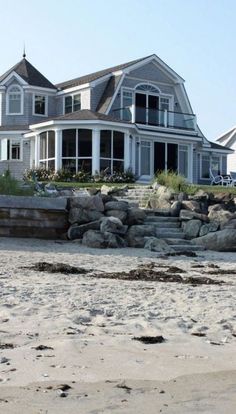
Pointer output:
x,y
29,74
14,128
96,75
219,147
84,115
228,138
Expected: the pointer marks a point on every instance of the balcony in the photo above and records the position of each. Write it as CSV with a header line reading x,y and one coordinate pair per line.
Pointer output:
x,y
157,118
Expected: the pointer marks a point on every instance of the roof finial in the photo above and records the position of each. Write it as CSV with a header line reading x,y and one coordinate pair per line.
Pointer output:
x,y
24,54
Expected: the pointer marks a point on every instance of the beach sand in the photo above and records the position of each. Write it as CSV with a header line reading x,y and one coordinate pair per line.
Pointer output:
x,y
86,327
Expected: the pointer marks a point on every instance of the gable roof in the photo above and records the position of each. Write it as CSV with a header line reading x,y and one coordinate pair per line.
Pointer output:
x,y
228,138
96,75
29,74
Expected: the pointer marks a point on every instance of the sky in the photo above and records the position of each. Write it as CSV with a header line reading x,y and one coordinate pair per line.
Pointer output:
x,y
65,39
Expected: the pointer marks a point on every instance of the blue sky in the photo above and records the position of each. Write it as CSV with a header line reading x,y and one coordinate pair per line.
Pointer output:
x,y
69,38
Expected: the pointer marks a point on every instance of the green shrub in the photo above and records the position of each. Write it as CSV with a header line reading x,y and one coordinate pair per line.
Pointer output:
x,y
172,180
10,186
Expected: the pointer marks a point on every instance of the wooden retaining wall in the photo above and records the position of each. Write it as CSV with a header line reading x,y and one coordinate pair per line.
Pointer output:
x,y
39,217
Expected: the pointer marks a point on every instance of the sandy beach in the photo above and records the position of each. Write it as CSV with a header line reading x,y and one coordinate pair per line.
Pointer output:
x,y
67,341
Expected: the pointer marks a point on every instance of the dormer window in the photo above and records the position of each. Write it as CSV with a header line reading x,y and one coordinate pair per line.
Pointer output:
x,y
40,105
15,101
72,103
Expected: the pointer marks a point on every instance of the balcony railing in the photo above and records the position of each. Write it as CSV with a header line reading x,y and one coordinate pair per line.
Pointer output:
x,y
156,117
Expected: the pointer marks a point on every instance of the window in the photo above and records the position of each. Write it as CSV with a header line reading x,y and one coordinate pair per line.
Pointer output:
x,y
183,160
10,150
77,150
207,162
126,105
111,151
47,150
72,103
40,102
15,101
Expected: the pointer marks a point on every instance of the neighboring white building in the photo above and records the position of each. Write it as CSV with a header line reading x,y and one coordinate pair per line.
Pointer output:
x,y
228,139
135,115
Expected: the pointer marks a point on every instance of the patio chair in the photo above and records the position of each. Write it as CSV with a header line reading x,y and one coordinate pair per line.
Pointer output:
x,y
217,179
233,178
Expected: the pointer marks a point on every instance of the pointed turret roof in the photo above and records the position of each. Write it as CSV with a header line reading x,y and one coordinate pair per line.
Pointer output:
x,y
29,74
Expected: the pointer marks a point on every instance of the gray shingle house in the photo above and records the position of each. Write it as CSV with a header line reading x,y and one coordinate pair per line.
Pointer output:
x,y
136,115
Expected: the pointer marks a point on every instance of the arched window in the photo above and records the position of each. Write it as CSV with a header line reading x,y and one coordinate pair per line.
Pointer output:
x,y
145,87
15,100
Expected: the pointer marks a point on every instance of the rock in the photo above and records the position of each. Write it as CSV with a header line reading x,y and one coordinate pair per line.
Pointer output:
x,y
4,360
208,227
120,214
114,241
231,224
220,241
112,225
106,198
82,318
220,214
77,231
117,205
87,202
136,234
202,195
165,193
192,229
175,209
82,216
95,239
182,197
66,193
156,202
190,215
157,245
191,205
135,216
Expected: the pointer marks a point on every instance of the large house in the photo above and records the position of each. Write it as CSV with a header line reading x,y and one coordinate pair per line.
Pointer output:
x,y
136,115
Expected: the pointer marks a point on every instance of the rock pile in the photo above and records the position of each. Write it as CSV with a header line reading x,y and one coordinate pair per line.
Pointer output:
x,y
101,221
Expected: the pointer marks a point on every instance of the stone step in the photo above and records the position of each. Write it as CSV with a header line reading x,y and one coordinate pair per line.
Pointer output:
x,y
169,235
163,224
161,219
158,212
178,242
187,248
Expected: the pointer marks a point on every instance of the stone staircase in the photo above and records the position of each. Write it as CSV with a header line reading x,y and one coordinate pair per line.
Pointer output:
x,y
138,195
168,228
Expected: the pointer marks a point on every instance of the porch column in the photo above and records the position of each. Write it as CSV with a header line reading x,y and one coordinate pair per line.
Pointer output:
x,y
190,172
95,151
127,154
36,151
58,149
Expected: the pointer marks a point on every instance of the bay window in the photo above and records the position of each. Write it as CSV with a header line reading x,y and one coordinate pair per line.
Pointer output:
x,y
47,150
77,150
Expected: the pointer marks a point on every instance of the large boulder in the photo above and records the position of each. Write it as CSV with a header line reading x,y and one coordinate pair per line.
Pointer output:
x,y
191,205
231,224
80,216
220,214
175,208
117,205
192,229
120,214
87,202
135,215
96,239
208,228
136,234
112,225
77,231
190,215
220,241
157,245
161,199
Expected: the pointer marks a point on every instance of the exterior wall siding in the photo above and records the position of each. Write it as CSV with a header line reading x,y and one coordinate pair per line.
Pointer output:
x,y
17,168
96,94
150,72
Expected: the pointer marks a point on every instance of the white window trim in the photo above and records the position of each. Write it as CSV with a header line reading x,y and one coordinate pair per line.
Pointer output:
x,y
72,95
14,85
46,104
21,151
